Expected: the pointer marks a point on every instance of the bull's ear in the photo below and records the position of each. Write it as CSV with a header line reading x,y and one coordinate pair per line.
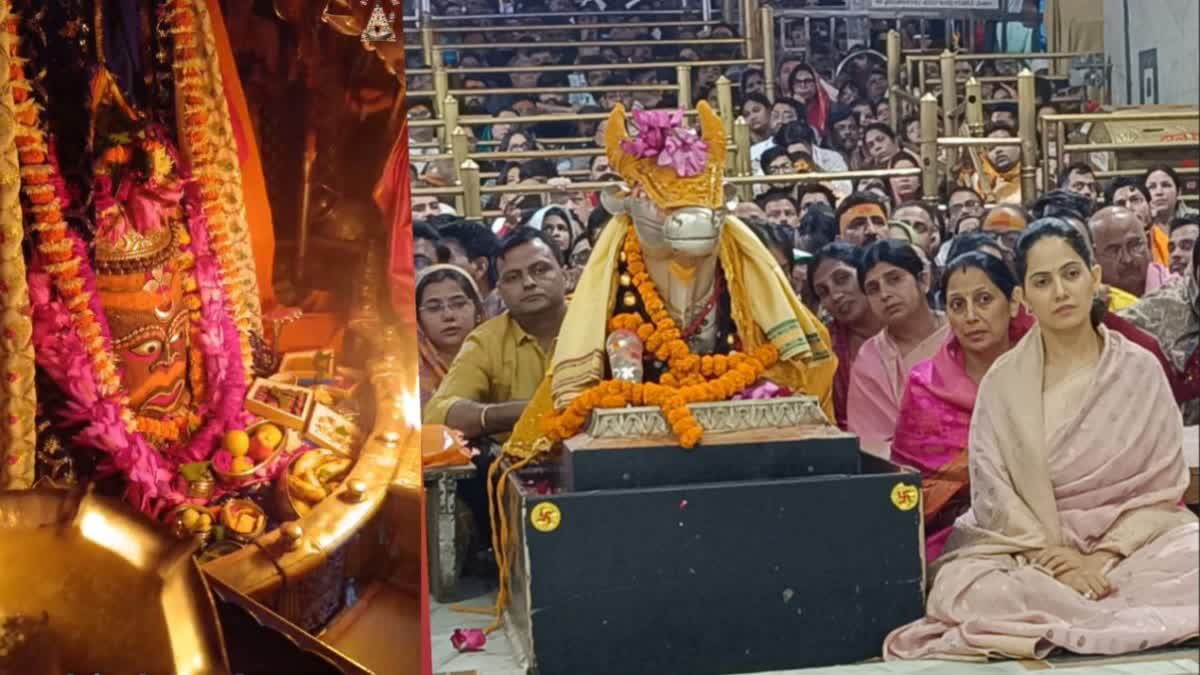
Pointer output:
x,y
613,197
731,196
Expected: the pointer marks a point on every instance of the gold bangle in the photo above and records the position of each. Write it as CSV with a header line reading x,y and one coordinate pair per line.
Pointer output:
x,y
483,418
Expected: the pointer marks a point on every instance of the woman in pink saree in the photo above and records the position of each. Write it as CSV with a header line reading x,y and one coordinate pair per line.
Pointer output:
x,y
935,413
895,279
1075,538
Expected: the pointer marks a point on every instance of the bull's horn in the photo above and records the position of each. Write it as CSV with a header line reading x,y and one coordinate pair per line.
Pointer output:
x,y
713,133
614,134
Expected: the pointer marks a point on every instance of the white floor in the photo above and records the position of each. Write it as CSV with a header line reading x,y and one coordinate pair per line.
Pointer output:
x,y
498,657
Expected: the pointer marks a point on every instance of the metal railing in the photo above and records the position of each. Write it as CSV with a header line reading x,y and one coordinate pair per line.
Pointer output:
x,y
468,191
901,63
446,105
935,152
1054,127
431,48
452,125
583,68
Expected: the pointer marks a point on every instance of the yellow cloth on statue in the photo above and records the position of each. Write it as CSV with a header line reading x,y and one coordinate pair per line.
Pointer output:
x,y
766,309
806,361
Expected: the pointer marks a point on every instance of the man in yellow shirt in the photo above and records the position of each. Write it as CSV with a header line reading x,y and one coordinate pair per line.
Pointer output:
x,y
504,360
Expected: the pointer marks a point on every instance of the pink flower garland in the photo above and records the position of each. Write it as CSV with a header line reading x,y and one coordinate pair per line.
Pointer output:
x,y
663,135
153,479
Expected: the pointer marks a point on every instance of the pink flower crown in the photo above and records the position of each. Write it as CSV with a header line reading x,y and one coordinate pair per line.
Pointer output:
x,y
662,135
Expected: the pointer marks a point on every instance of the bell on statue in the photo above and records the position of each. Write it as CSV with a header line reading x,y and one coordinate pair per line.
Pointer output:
x,y
624,355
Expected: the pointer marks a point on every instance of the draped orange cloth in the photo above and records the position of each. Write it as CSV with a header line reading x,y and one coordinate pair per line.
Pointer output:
x,y
254,185
1159,245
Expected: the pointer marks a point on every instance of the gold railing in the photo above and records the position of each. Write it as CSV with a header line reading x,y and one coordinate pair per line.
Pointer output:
x,y
432,52
583,68
744,183
935,152
450,126
904,62
1053,127
548,15
446,105
568,28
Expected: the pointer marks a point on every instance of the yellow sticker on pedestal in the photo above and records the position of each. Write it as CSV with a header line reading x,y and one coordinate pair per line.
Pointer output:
x,y
545,517
905,497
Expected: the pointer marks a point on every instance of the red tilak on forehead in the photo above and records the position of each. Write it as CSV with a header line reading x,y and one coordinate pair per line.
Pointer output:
x,y
859,211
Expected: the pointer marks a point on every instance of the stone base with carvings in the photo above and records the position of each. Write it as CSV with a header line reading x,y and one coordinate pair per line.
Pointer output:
x,y
717,418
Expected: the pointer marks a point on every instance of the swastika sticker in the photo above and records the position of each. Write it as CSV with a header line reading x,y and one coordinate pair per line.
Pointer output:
x,y
905,497
545,517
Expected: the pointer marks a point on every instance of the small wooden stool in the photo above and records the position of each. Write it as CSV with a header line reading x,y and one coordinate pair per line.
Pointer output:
x,y
443,509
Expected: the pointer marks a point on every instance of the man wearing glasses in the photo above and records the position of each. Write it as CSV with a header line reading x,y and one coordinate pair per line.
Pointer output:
x,y
963,202
504,360
1122,252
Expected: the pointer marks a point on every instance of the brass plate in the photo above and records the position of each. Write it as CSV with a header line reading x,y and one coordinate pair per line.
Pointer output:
x,y
121,594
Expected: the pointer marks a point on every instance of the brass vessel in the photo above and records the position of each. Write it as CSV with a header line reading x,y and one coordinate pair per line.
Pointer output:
x,y
118,592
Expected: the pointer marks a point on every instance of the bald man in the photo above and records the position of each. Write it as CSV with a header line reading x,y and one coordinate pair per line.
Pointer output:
x,y
1121,250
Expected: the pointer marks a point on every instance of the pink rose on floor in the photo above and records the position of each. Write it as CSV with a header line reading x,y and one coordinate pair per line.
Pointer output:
x,y
468,639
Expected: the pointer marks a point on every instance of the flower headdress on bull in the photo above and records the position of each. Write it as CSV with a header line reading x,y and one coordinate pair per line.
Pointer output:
x,y
674,187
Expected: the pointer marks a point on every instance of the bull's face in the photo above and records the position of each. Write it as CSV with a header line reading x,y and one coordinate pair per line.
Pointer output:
x,y
693,231
682,234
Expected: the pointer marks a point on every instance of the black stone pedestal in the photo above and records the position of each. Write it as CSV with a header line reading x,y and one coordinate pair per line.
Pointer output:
x,y
712,577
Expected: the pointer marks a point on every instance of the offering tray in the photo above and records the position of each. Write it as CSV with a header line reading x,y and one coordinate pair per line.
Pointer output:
x,y
118,592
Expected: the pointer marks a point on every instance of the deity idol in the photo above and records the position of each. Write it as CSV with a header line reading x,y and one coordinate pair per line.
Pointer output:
x,y
142,258
715,313
134,329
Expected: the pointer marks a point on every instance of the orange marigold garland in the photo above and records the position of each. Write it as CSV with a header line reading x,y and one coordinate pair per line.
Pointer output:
x,y
197,141
37,177
690,378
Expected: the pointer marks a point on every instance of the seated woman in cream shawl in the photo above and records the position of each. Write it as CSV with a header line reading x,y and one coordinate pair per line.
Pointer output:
x,y
1076,538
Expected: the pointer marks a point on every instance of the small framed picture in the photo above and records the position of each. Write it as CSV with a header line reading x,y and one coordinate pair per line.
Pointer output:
x,y
317,364
329,429
284,404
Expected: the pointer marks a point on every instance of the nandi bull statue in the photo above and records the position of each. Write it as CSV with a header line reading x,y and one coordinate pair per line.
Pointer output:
x,y
709,310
